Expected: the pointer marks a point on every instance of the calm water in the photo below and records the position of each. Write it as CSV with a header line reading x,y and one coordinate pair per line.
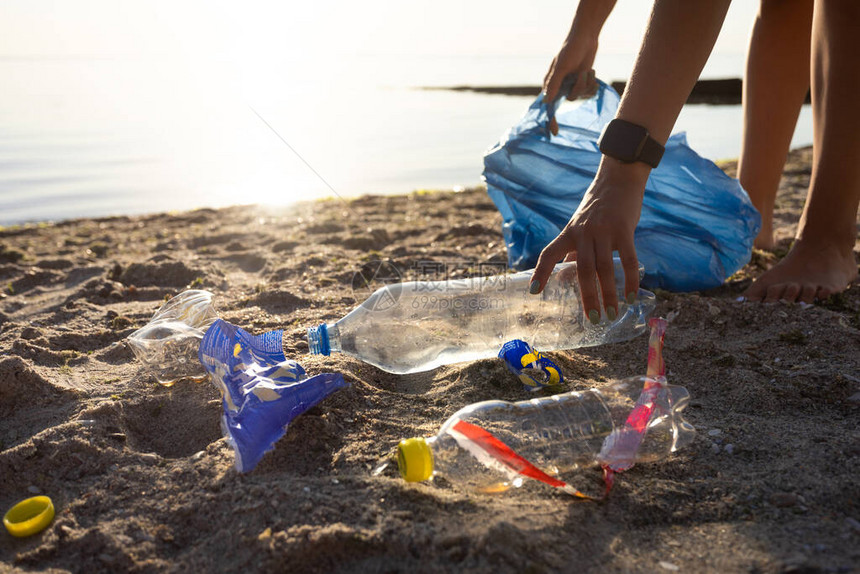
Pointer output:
x,y
89,137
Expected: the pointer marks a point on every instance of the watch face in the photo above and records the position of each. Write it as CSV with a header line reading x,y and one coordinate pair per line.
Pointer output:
x,y
623,140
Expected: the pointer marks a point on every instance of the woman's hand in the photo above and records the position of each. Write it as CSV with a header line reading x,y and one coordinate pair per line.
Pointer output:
x,y
603,223
577,54
575,57
679,39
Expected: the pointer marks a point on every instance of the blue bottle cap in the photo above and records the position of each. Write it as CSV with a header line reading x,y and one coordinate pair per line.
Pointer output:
x,y
318,342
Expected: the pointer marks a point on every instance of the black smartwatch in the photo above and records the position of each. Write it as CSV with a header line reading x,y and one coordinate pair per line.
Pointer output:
x,y
628,143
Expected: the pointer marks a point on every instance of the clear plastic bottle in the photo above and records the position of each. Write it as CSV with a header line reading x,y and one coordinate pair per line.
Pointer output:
x,y
493,445
167,345
421,325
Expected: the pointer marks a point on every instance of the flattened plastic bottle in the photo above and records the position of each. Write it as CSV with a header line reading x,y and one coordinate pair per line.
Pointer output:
x,y
421,325
492,446
167,345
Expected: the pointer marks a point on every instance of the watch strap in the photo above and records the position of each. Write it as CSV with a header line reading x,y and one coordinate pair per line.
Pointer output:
x,y
652,152
629,142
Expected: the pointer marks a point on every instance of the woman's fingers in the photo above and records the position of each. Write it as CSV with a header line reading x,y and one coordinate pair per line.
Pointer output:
x,y
586,274
551,254
630,264
595,270
606,276
575,84
591,85
565,84
552,83
581,87
548,76
548,73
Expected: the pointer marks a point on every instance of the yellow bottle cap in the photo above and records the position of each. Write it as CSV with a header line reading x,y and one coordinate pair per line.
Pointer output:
x,y
414,459
29,516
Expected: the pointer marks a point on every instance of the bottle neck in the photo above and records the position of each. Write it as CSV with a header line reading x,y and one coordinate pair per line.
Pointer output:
x,y
324,339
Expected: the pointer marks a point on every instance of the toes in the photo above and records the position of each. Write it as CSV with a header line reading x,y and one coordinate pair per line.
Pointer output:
x,y
774,293
792,290
807,294
824,293
754,293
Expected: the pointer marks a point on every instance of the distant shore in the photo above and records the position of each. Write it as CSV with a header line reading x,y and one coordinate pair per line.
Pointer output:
x,y
725,92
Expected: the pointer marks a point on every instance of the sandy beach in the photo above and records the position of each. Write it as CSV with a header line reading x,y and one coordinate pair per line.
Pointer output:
x,y
143,481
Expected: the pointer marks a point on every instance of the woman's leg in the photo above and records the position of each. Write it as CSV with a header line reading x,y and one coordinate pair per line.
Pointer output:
x,y
822,262
776,83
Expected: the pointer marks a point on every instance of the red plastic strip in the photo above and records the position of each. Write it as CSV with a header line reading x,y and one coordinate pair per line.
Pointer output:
x,y
656,366
641,413
608,479
507,456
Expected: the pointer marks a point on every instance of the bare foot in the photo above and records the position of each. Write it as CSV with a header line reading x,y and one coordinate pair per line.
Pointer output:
x,y
807,273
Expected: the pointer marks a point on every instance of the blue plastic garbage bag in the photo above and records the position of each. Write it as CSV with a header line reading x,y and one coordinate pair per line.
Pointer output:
x,y
261,390
697,224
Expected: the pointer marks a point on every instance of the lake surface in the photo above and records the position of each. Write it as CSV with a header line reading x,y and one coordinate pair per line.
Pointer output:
x,y
95,137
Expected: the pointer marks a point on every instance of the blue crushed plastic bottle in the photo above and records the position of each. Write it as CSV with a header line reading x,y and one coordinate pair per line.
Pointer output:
x,y
261,390
421,325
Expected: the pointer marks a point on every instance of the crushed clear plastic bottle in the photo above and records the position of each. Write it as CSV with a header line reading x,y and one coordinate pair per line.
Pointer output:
x,y
420,325
488,446
167,345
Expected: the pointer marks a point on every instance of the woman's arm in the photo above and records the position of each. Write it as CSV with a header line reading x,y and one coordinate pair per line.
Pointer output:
x,y
677,43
